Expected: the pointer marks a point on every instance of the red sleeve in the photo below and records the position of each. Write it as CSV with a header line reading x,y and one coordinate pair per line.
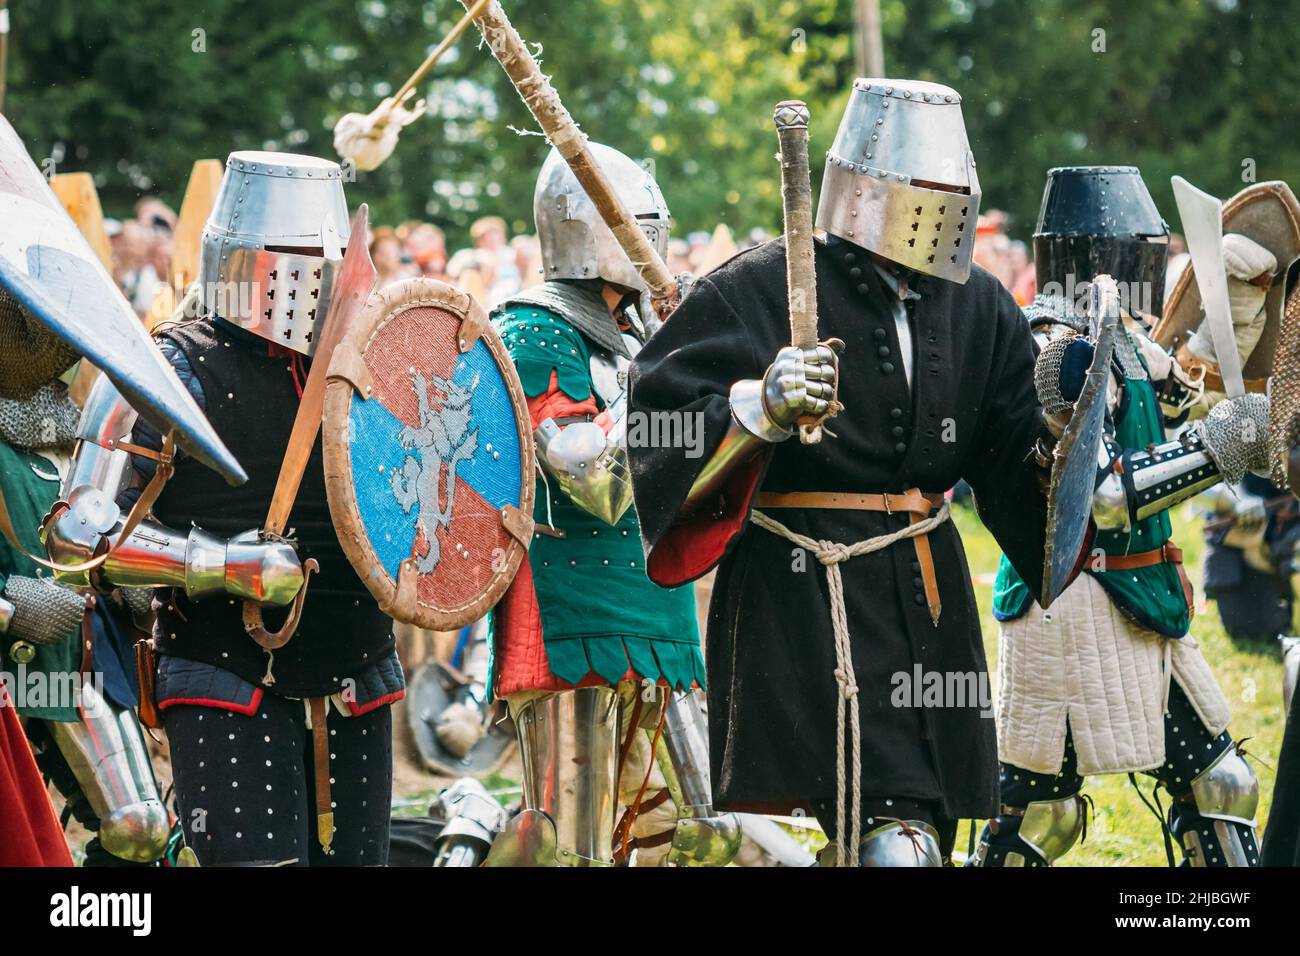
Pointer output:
x,y
553,403
696,542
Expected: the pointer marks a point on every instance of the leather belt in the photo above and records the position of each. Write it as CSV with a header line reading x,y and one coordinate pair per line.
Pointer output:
x,y
914,502
1168,553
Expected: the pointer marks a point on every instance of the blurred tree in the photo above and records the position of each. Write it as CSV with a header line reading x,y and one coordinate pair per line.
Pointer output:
x,y
134,92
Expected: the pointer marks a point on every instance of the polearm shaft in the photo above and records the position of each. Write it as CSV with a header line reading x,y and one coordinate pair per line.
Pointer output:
x,y
791,119
563,133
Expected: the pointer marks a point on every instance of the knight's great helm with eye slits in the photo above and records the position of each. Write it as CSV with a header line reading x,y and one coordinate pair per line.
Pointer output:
x,y
576,243
273,246
900,177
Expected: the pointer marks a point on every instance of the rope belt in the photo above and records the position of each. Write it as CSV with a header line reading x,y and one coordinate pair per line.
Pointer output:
x,y
832,554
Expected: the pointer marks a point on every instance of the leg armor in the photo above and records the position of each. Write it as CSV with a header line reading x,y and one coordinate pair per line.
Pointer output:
x,y
474,819
703,837
1215,820
1290,670
900,843
1214,790
106,753
568,742
1042,816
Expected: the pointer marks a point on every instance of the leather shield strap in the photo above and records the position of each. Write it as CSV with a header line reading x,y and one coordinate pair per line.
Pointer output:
x,y
1169,553
320,742
914,502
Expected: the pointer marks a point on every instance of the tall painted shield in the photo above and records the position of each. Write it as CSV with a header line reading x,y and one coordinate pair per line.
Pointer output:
x,y
428,455
49,268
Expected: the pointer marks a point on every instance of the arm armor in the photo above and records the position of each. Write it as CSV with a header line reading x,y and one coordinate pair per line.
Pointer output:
x,y
91,522
1138,483
750,430
589,463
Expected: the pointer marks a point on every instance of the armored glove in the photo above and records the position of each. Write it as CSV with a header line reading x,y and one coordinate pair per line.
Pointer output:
x,y
1236,435
38,610
800,383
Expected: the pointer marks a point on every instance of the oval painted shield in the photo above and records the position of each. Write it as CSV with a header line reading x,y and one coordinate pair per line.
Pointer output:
x,y
428,455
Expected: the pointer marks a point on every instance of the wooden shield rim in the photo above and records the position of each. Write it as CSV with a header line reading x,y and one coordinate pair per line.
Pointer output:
x,y
348,373
1182,309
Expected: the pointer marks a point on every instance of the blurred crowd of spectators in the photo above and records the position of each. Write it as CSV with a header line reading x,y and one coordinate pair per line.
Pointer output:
x,y
496,265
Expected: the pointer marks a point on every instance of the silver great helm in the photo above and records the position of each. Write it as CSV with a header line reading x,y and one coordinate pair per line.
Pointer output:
x,y
900,177
273,245
576,243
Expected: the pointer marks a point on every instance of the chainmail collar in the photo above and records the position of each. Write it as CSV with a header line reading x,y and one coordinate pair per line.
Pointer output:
x,y
580,304
46,421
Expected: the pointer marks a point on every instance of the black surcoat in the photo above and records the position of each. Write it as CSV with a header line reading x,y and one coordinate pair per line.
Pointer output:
x,y
970,412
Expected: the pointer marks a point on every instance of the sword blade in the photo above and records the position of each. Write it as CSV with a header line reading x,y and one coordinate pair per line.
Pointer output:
x,y
1202,216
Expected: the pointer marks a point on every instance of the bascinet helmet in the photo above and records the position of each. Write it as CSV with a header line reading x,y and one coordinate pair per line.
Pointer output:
x,y
273,245
1101,220
900,177
576,243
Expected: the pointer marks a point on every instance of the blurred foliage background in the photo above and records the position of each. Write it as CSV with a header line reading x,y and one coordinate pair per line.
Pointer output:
x,y
135,92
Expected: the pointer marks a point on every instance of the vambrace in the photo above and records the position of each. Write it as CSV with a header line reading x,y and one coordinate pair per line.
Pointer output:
x,y
202,564
1139,483
702,837
590,463
750,430
1215,820
89,522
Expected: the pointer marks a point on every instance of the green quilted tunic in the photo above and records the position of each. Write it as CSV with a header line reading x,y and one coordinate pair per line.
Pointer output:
x,y
1153,595
31,484
599,611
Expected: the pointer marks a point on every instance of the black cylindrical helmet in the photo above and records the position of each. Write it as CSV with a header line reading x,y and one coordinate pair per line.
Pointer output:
x,y
1101,220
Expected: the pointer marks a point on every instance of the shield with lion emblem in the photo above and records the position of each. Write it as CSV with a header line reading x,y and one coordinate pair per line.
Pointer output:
x,y
428,455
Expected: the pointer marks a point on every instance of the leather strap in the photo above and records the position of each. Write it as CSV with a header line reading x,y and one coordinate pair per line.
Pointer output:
x,y
1213,381
1169,553
914,502
320,741
148,495
274,640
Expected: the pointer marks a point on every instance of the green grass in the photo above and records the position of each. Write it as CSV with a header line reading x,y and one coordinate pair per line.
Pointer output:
x,y
1124,832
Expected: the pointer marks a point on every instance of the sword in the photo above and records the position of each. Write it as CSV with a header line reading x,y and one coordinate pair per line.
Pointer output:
x,y
791,119
356,278
1202,216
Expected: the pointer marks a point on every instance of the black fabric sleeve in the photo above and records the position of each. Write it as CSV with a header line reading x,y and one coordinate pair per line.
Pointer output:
x,y
1003,475
680,384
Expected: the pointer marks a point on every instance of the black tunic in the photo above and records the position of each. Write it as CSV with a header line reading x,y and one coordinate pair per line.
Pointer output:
x,y
971,413
251,399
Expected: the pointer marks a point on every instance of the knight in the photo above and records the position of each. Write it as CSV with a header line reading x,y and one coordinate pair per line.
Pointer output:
x,y
596,664
279,756
1110,679
855,582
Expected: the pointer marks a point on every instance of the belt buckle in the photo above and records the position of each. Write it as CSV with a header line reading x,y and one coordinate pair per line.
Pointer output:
x,y
885,497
